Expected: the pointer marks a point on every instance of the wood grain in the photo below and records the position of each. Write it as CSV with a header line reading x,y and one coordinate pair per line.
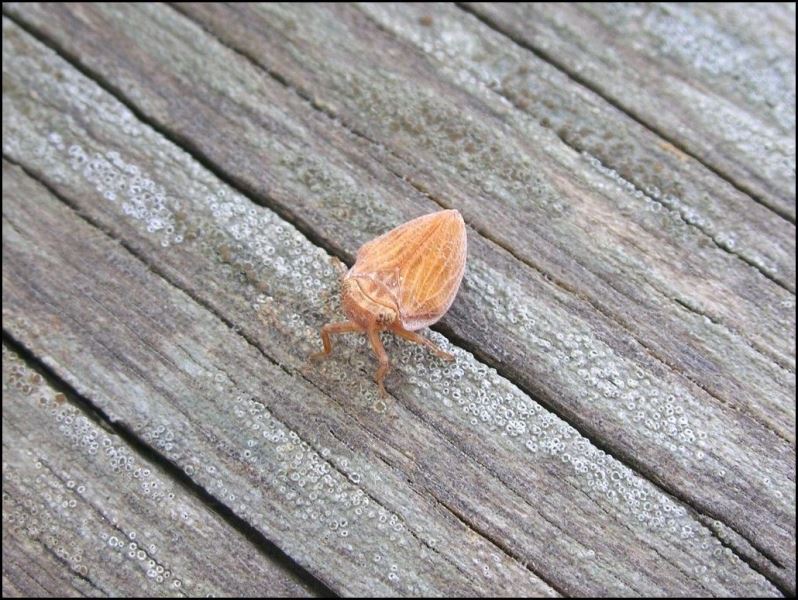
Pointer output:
x,y
592,255
446,142
227,415
85,514
478,57
467,479
718,81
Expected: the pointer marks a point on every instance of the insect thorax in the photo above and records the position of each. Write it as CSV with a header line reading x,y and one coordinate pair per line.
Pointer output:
x,y
367,301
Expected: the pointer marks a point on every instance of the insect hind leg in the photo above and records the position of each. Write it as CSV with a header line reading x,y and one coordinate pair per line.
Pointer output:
x,y
379,350
420,339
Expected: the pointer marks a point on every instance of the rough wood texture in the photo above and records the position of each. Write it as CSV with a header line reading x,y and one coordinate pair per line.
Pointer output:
x,y
608,138
718,80
482,489
584,245
529,192
84,514
217,405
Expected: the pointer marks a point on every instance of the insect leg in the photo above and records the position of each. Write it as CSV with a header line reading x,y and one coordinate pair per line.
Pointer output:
x,y
327,330
376,343
420,339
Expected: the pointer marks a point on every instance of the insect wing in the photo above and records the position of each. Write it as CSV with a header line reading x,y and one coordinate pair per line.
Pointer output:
x,y
421,263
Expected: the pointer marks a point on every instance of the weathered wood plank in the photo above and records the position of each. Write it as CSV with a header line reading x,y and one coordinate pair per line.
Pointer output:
x,y
335,224
463,443
620,285
339,195
619,276
181,380
84,514
477,56
125,293
719,81
519,186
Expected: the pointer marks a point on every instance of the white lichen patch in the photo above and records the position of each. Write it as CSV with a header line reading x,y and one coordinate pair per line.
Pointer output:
x,y
317,483
117,181
763,73
46,507
607,377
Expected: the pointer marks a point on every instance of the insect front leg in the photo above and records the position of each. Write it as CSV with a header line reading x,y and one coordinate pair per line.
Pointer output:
x,y
328,330
420,339
379,350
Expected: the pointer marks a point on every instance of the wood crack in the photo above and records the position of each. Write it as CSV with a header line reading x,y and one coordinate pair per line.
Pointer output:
x,y
150,454
307,230
471,526
415,535
752,561
574,76
682,217
69,568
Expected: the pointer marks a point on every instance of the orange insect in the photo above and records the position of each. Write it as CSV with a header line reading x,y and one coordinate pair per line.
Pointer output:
x,y
402,281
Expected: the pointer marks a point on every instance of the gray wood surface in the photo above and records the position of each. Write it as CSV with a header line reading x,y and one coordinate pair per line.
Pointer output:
x,y
718,80
84,514
168,258
219,407
611,140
